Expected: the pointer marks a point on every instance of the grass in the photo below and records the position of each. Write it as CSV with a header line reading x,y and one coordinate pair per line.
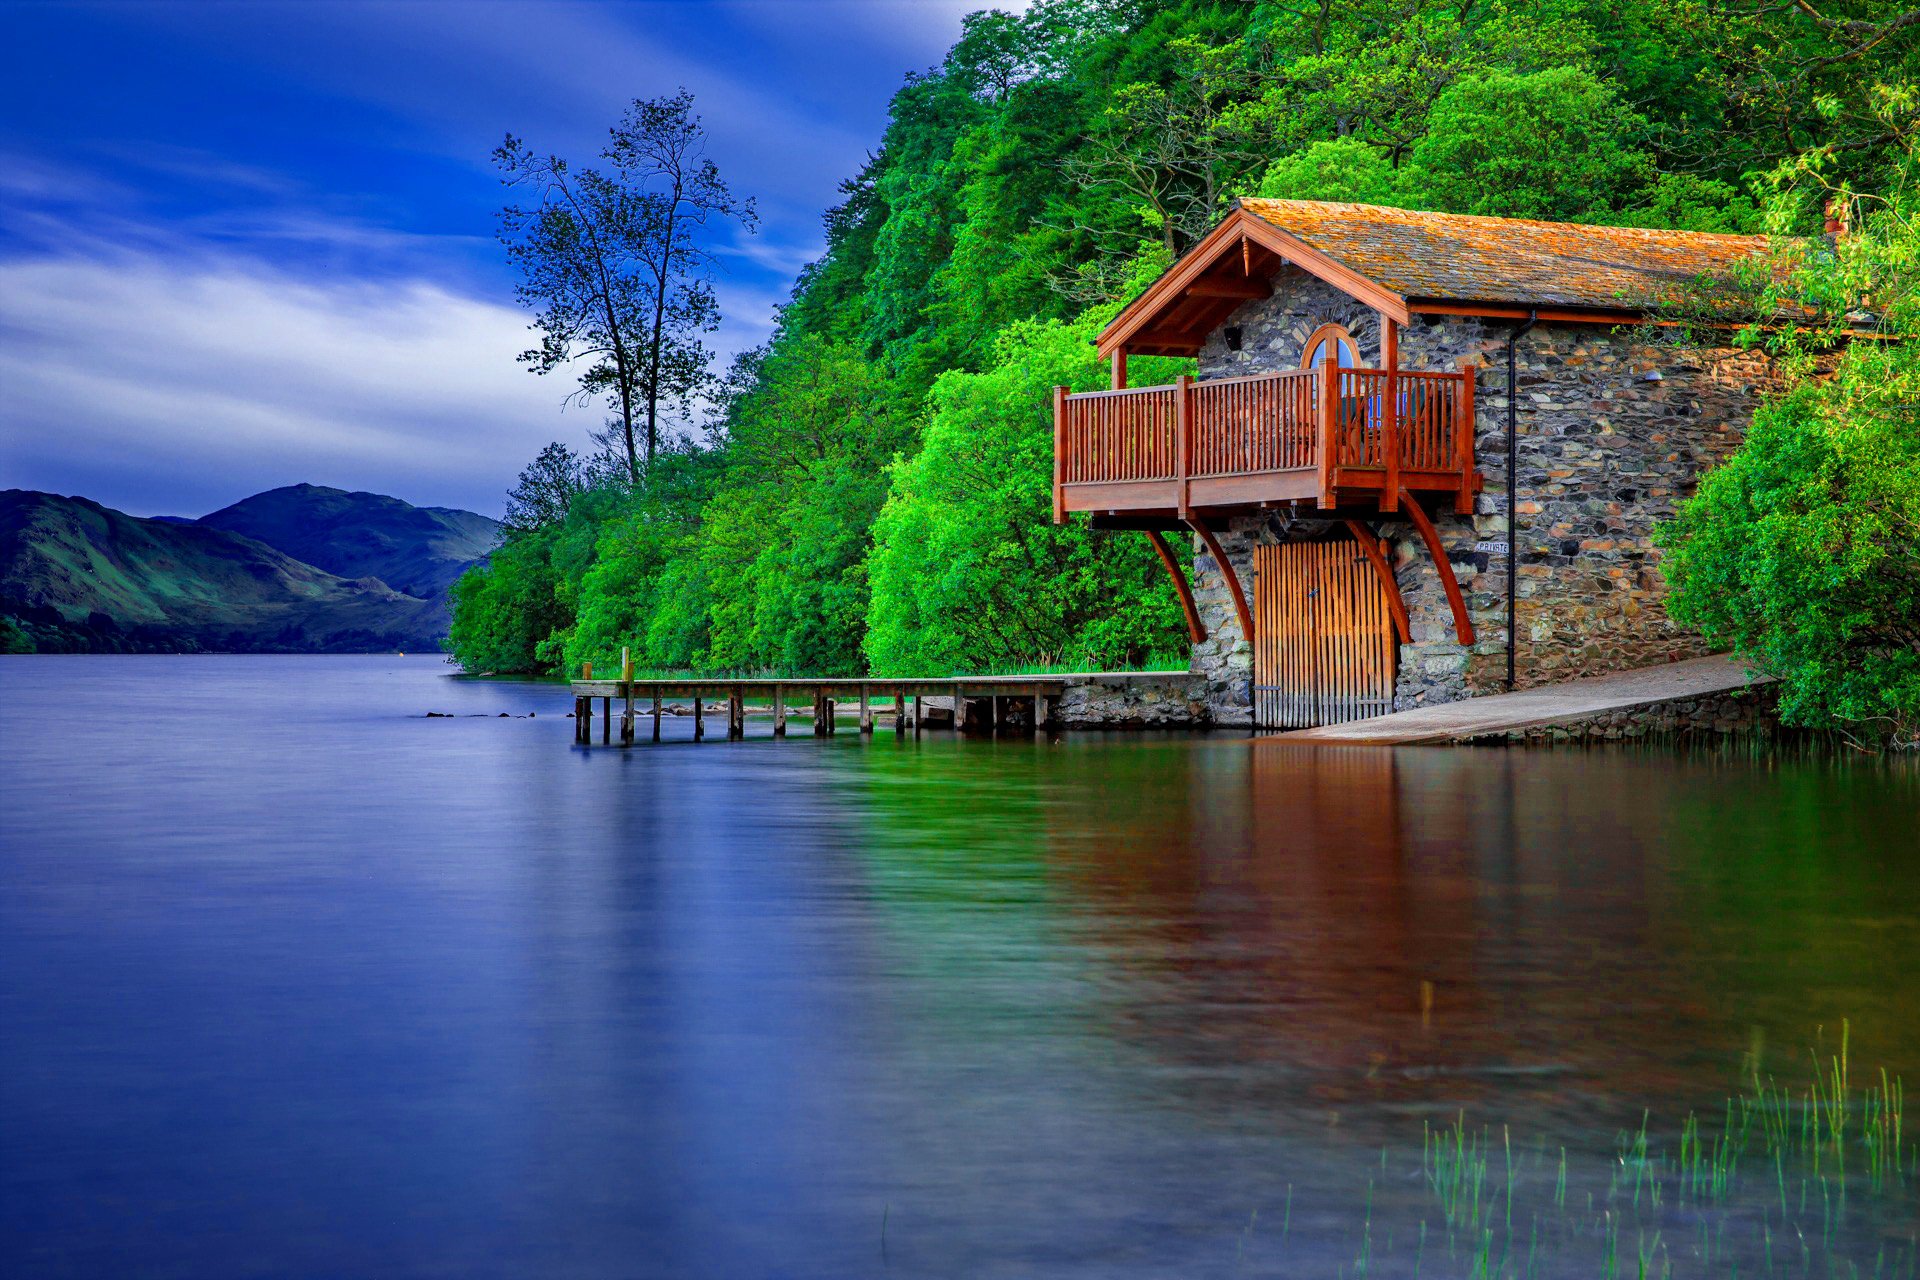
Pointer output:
x,y
1811,1179
1154,663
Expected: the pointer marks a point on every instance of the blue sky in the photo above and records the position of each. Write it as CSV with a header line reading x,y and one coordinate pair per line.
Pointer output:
x,y
249,243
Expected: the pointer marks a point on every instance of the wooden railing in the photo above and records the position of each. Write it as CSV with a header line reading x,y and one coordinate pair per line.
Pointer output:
x,y
1120,435
1263,423
1426,419
1347,425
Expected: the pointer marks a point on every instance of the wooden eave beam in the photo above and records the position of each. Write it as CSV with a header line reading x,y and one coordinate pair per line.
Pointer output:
x,y
1249,290
1315,263
1510,311
1186,340
1257,232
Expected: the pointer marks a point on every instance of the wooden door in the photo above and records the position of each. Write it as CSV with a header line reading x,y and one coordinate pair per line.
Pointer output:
x,y
1325,649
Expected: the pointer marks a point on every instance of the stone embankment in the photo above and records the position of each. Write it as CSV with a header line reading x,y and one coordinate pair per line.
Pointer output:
x,y
1713,695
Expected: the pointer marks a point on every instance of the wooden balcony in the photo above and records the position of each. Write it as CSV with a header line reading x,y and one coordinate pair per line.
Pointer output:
x,y
1328,436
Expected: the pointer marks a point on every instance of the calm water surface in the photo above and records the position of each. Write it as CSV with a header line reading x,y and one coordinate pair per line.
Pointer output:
x,y
295,981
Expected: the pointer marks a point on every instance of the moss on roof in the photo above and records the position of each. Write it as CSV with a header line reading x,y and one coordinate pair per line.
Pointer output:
x,y
1466,258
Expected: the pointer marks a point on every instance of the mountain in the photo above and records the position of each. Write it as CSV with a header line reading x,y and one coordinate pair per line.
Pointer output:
x,y
415,550
77,576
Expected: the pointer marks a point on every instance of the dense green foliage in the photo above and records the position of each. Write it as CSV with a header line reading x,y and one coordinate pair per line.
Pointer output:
x,y
1803,552
872,493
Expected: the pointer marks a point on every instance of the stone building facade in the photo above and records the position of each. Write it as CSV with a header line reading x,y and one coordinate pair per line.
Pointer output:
x,y
1614,427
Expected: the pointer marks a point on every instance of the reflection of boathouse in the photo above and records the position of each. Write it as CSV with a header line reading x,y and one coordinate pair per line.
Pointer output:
x,y
1343,461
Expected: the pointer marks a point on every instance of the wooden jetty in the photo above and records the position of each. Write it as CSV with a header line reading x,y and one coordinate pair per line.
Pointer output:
x,y
983,702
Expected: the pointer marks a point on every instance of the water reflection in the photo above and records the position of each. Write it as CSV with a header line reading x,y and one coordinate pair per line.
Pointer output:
x,y
358,992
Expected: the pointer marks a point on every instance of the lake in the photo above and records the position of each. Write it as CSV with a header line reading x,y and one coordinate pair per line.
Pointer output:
x,y
296,981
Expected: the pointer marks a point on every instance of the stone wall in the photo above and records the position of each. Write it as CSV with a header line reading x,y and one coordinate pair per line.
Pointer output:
x,y
1614,428
1134,701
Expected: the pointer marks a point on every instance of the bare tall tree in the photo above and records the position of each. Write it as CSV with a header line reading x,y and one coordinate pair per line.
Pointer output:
x,y
613,266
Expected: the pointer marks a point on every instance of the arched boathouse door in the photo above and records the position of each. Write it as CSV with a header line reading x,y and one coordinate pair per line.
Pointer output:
x,y
1325,651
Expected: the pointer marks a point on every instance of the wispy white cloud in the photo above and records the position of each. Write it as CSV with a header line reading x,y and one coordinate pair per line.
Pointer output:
x,y
198,165
776,249
205,375
214,378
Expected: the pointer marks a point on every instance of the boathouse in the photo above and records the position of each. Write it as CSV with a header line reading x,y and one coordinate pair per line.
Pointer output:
x,y
1424,455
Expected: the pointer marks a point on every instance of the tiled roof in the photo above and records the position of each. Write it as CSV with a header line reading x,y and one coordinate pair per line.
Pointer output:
x,y
1459,257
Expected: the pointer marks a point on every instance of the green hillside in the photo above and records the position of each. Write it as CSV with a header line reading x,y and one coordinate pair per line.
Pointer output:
x,y
77,576
416,550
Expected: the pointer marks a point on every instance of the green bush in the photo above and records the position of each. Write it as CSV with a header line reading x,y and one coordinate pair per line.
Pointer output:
x,y
1802,552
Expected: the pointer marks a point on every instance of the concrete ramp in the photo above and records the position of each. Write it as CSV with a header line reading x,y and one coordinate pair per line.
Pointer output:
x,y
1548,705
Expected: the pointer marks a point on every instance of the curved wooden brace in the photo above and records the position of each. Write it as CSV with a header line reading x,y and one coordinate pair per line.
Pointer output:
x,y
1370,543
1226,571
1196,630
1462,625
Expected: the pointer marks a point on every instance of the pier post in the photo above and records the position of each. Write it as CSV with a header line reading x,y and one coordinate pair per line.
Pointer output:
x,y
993,715
833,716
919,713
866,711
779,712
736,714
819,713
1039,712
656,715
582,720
606,720
626,714
899,712
699,717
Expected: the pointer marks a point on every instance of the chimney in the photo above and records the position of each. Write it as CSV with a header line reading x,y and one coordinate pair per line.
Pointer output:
x,y
1839,222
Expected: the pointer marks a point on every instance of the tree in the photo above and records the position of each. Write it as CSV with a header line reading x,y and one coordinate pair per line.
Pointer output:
x,y
546,488
1555,144
1802,77
612,264
968,569
1334,169
1175,148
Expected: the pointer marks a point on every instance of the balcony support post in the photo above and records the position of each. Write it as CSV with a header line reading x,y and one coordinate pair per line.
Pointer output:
x,y
1120,369
1376,554
1328,432
1059,454
1196,630
1226,572
1390,412
1462,624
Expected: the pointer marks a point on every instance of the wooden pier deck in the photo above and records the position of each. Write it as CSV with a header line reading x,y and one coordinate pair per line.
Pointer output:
x,y
983,702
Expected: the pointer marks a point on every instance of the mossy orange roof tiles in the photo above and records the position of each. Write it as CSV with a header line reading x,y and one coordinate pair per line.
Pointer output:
x,y
1462,258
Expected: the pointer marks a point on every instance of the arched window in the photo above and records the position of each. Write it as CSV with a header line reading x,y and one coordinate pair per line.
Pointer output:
x,y
1330,342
